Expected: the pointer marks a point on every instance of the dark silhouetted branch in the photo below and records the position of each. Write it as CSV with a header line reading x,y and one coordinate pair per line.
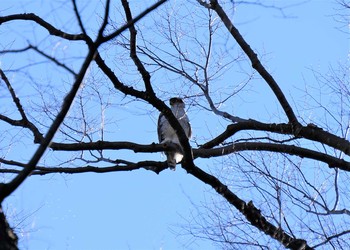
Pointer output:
x,y
251,213
24,122
51,29
256,64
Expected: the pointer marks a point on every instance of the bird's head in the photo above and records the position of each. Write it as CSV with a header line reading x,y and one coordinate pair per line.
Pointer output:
x,y
176,101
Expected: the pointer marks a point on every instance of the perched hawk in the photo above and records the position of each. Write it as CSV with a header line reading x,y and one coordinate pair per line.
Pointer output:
x,y
167,134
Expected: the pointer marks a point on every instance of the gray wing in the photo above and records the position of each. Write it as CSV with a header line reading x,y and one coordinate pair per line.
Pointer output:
x,y
189,130
186,125
160,128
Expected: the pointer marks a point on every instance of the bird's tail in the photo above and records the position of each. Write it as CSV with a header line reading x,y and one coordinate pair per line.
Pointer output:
x,y
174,156
171,159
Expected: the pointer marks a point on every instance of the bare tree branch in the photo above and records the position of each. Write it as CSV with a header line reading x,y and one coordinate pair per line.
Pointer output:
x,y
133,21
187,160
51,29
252,214
256,64
260,165
24,122
7,189
310,132
76,12
102,145
141,68
56,61
121,166
333,162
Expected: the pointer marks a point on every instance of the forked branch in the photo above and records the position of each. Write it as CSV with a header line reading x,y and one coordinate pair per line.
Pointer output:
x,y
256,64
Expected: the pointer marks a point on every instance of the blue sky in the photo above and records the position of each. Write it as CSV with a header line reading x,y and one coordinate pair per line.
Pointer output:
x,y
139,209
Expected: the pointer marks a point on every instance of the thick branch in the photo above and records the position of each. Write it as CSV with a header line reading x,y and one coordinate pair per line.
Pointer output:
x,y
102,145
252,214
51,29
8,238
201,153
332,162
256,64
208,153
310,132
120,166
232,129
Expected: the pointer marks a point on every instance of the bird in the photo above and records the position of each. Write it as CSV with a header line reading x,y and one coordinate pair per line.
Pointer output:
x,y
167,134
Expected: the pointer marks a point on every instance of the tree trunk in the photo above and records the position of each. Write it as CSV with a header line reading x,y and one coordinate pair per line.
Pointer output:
x,y
8,238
